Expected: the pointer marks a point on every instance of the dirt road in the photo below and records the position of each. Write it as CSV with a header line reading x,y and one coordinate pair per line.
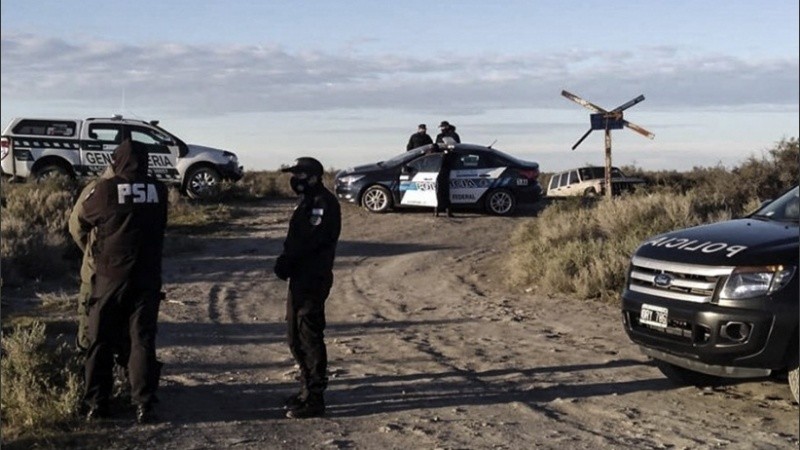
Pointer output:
x,y
427,350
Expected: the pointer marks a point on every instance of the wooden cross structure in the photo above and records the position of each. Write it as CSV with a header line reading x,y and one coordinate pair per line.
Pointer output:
x,y
602,119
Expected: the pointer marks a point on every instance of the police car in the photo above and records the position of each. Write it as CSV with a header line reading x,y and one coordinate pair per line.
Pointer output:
x,y
720,300
36,148
481,177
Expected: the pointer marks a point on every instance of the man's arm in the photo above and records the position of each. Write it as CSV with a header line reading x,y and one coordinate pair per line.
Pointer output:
x,y
78,230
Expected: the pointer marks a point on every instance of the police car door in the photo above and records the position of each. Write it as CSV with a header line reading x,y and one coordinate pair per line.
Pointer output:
x,y
97,147
162,151
472,175
418,181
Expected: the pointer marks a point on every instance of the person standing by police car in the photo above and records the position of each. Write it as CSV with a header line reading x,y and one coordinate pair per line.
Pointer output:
x,y
420,138
129,212
307,262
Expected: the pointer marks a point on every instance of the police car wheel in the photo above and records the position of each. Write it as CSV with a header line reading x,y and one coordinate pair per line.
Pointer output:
x,y
501,202
376,199
50,171
203,182
686,377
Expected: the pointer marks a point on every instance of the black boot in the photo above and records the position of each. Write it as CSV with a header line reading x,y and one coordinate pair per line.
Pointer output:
x,y
97,412
314,406
449,213
436,212
294,401
145,414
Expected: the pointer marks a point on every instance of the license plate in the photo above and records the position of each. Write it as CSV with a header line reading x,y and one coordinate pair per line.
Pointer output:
x,y
654,316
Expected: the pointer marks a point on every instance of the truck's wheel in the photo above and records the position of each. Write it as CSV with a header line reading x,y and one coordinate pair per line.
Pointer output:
x,y
376,199
686,377
203,183
50,171
590,192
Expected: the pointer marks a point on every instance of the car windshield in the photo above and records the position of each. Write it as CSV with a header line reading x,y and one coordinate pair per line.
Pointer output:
x,y
784,208
404,157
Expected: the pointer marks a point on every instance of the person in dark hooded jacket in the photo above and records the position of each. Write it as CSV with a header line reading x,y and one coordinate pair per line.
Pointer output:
x,y
129,213
449,131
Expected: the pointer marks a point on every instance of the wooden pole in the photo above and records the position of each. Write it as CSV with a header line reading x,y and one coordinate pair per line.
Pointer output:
x,y
608,163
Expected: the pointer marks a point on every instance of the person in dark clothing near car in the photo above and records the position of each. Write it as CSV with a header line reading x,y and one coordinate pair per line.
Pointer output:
x,y
419,138
307,262
447,130
129,212
443,184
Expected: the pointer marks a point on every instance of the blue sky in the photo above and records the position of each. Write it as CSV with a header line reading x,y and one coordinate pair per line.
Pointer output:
x,y
348,81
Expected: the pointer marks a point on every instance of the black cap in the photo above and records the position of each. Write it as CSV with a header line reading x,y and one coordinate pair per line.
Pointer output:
x,y
305,164
422,125
444,124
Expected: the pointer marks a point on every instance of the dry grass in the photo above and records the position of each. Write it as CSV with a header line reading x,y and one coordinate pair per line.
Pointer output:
x,y
41,387
583,249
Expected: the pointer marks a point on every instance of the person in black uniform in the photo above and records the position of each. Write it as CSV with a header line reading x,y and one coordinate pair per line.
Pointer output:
x,y
129,212
307,262
447,130
443,184
419,138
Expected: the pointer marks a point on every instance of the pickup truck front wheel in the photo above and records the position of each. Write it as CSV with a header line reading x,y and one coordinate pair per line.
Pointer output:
x,y
49,171
686,377
203,182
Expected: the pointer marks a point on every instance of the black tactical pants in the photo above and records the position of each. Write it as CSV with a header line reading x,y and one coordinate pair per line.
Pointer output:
x,y
118,307
443,191
305,315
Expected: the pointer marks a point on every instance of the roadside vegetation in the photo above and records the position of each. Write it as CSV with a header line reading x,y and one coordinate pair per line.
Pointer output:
x,y
582,248
574,248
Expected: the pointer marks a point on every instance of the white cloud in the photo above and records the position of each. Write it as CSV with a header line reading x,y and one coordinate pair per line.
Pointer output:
x,y
214,80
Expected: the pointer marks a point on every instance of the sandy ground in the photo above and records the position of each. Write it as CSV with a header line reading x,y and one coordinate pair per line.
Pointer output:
x,y
427,350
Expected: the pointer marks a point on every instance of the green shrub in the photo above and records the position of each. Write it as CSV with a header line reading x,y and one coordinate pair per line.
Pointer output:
x,y
583,249
41,385
34,240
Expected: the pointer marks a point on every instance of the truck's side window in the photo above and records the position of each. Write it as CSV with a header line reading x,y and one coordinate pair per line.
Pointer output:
x,y
563,179
106,133
553,182
573,177
45,128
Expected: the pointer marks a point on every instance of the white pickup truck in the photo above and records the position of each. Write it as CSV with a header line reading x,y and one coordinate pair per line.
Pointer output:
x,y
82,148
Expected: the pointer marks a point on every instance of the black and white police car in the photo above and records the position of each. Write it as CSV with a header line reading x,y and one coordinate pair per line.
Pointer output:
x,y
481,177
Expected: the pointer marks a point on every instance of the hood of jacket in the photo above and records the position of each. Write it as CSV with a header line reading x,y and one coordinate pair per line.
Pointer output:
x,y
130,160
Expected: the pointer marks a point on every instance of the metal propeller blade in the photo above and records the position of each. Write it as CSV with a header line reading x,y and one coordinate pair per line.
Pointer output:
x,y
625,106
638,129
581,139
582,102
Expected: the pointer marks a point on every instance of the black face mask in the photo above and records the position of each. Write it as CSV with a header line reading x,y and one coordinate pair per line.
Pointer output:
x,y
299,186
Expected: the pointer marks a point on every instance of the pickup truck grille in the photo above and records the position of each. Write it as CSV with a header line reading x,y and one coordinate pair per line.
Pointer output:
x,y
676,281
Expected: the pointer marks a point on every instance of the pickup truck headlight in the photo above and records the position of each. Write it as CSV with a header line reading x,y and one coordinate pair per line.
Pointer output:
x,y
749,282
230,156
350,179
